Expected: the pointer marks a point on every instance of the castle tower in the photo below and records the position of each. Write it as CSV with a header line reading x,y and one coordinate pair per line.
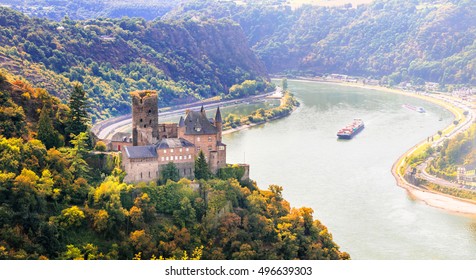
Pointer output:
x,y
181,128
218,124
145,117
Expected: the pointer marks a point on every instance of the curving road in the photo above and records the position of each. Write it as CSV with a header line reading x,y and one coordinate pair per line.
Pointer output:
x,y
105,129
470,119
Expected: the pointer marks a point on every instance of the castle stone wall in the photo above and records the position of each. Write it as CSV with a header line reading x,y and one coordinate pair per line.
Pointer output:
x,y
145,117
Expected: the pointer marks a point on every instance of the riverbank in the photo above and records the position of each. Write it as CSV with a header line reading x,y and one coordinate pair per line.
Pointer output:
x,y
429,197
288,105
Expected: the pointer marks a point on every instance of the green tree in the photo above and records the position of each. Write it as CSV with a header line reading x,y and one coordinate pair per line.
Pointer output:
x,y
285,84
186,214
100,146
46,131
72,253
79,166
71,217
78,117
202,170
169,171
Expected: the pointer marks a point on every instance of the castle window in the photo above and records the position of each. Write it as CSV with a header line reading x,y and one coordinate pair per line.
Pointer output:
x,y
150,121
221,148
145,126
165,151
140,120
209,148
150,111
209,139
149,174
186,149
171,150
198,139
176,157
180,157
167,158
189,156
141,175
162,159
180,150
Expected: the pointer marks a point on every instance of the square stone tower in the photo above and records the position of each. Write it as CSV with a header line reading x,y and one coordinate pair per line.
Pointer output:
x,y
145,117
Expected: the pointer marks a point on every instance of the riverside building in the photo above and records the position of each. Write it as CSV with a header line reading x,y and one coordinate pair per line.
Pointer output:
x,y
154,145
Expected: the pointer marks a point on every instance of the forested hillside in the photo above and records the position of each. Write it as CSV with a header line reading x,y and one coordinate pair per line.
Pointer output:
x,y
417,40
62,200
86,9
183,60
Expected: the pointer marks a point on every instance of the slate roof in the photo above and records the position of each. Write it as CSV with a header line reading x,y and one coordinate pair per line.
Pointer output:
x,y
122,137
141,151
197,123
218,116
166,143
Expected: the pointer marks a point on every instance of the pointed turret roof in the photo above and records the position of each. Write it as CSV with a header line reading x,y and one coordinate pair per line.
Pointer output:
x,y
181,122
218,116
197,123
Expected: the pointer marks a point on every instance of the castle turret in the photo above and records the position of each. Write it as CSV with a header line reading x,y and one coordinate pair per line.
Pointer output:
x,y
181,128
145,117
218,124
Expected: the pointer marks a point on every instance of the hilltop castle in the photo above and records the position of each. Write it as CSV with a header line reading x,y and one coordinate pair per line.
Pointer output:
x,y
154,145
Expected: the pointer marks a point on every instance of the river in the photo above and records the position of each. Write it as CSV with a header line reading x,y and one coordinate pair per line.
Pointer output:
x,y
349,183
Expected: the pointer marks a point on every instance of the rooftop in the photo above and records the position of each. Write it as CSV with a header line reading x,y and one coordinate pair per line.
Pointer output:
x,y
167,143
141,151
122,137
197,123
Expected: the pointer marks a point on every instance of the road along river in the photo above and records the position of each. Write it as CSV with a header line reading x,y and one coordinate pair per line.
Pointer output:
x,y
349,183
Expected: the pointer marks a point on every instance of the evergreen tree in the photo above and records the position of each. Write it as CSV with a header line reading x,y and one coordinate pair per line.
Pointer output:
x,y
171,172
78,117
79,167
285,84
46,131
202,171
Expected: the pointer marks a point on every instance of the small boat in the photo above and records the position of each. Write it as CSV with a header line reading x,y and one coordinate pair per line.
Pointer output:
x,y
414,108
351,130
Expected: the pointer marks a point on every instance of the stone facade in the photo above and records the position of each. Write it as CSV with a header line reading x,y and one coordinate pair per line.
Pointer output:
x,y
167,130
145,117
140,169
178,143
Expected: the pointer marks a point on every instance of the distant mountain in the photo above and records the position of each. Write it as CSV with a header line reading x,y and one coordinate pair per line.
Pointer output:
x,y
185,60
417,40
396,41
88,9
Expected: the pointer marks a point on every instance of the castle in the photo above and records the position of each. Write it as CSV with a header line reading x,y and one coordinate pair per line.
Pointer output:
x,y
154,145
